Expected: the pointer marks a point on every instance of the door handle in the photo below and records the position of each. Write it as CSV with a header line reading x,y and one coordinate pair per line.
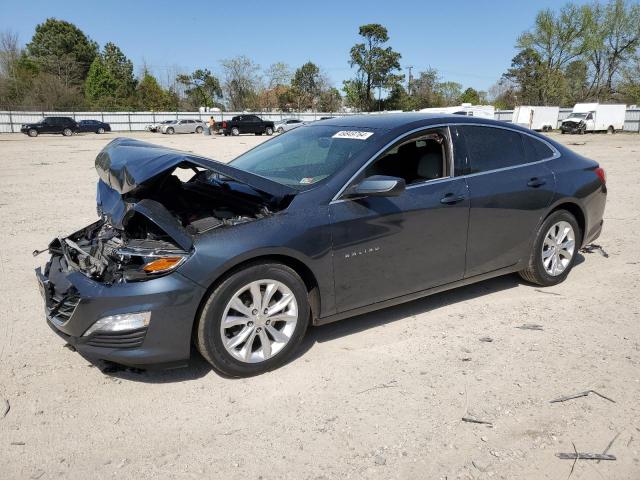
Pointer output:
x,y
535,182
450,199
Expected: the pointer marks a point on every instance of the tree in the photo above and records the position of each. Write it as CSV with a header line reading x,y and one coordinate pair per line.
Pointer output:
x,y
306,86
470,95
555,40
425,90
450,92
110,83
62,49
151,96
611,42
201,88
527,74
241,83
376,64
278,75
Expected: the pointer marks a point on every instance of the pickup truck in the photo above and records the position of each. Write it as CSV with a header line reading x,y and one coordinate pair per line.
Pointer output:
x,y
246,124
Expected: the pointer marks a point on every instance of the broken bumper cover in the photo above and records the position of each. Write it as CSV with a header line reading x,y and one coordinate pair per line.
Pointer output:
x,y
74,302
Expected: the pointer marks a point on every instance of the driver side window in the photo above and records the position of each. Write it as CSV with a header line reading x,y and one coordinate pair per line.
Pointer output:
x,y
419,158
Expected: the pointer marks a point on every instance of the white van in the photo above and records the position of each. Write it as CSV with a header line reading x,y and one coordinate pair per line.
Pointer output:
x,y
536,117
594,117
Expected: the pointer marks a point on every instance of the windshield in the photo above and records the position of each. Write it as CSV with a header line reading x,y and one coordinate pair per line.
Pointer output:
x,y
306,155
578,115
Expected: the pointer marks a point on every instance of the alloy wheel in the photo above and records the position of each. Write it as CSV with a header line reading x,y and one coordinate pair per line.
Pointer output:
x,y
558,248
259,321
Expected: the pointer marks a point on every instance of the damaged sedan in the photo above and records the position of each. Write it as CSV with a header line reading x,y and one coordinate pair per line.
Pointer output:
x,y
334,219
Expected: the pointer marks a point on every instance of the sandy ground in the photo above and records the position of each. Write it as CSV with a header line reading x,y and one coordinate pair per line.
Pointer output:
x,y
378,396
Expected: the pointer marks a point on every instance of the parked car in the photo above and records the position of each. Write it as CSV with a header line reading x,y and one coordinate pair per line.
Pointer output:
x,y
60,125
182,126
594,117
246,124
155,127
95,126
333,219
286,125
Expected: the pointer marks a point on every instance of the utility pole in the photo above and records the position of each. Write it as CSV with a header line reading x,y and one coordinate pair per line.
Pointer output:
x,y
410,67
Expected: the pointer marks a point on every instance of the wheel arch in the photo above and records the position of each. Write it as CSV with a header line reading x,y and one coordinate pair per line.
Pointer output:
x,y
576,210
297,265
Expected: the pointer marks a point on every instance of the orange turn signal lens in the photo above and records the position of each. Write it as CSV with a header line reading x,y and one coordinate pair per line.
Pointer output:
x,y
162,264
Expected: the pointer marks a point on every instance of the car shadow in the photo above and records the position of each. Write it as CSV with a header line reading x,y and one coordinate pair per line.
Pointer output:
x,y
198,367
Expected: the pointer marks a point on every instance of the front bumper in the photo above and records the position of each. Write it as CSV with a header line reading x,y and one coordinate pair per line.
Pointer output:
x,y
73,302
571,127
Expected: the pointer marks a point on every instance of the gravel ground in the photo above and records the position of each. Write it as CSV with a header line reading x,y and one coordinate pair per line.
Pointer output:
x,y
378,396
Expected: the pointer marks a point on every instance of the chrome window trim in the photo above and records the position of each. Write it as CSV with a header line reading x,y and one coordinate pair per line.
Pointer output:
x,y
556,154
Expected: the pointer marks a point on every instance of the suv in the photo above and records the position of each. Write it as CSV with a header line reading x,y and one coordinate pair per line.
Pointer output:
x,y
67,126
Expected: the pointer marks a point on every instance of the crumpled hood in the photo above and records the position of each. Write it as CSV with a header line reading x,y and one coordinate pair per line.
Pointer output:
x,y
125,163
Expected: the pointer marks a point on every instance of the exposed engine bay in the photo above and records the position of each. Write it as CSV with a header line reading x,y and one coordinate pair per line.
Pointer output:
x,y
161,217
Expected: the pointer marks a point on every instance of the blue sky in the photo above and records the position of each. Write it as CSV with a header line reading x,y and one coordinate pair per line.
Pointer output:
x,y
470,42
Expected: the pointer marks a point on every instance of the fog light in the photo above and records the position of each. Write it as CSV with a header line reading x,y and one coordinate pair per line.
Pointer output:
x,y
120,323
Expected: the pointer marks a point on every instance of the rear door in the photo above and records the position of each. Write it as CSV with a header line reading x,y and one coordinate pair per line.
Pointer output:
x,y
510,188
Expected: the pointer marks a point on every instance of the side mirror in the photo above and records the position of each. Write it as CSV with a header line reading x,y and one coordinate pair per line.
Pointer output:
x,y
377,186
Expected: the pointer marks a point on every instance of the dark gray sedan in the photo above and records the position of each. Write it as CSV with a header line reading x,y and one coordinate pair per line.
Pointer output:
x,y
333,219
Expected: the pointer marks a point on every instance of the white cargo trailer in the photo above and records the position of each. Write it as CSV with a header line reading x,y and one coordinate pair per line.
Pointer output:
x,y
594,117
482,111
536,117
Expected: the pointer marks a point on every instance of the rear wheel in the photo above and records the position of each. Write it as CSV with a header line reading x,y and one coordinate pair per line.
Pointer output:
x,y
268,131
254,320
170,131
611,130
33,132
554,250
235,131
100,131
67,132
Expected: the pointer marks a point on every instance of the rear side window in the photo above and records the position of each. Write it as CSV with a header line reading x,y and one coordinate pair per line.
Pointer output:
x,y
535,150
492,148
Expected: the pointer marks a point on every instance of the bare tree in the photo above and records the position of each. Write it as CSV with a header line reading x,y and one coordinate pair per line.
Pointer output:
x,y
241,82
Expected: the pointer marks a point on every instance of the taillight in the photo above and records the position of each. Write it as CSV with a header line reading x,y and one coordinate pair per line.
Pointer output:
x,y
224,124
601,175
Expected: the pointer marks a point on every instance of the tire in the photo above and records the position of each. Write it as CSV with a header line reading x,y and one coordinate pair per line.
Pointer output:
x,y
280,129
199,129
33,133
268,131
209,333
258,134
611,130
235,132
170,131
562,132
67,132
100,131
536,272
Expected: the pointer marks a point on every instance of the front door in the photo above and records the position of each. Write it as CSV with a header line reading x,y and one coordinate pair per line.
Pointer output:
x,y
386,247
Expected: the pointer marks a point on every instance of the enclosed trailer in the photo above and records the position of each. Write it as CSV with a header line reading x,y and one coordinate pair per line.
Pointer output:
x,y
482,111
536,117
594,117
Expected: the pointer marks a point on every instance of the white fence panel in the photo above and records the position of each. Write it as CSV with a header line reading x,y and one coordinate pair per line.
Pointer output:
x,y
11,121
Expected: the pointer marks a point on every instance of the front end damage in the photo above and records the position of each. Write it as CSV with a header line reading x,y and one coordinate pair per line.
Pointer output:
x,y
114,289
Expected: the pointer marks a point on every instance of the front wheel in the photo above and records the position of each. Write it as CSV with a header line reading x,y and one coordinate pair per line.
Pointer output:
x,y
235,131
67,132
254,320
170,131
269,131
554,250
33,132
199,129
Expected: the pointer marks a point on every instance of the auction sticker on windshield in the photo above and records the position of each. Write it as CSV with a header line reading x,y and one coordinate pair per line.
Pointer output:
x,y
352,134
